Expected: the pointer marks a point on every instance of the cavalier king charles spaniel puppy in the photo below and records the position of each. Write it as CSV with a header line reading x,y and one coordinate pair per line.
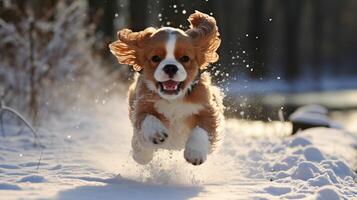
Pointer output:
x,y
172,104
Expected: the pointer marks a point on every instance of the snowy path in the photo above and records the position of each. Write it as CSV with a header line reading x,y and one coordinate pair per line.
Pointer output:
x,y
87,156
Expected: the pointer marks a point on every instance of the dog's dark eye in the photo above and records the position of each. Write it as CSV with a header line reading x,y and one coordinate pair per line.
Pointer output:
x,y
184,59
156,59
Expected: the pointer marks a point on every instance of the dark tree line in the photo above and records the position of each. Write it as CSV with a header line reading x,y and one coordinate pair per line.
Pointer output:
x,y
285,37
288,38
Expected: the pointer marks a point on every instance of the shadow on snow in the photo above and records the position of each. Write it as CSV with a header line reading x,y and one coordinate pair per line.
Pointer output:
x,y
121,188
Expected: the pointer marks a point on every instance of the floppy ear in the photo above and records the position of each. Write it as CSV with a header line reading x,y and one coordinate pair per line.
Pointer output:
x,y
129,46
204,33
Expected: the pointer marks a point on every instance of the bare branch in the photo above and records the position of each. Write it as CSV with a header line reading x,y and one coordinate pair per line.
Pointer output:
x,y
19,116
4,109
2,124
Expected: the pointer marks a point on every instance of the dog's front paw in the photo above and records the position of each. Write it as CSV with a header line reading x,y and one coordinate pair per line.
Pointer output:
x,y
194,156
153,130
158,137
197,147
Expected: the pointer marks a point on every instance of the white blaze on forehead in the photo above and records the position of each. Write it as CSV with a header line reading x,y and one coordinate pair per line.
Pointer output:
x,y
170,46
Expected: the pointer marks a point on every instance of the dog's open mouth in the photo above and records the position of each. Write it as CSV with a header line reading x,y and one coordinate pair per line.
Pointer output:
x,y
170,87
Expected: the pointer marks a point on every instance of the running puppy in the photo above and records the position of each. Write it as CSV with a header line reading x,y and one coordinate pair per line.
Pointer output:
x,y
172,104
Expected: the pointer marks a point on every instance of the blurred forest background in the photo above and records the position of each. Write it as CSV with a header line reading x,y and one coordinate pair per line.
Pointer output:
x,y
274,53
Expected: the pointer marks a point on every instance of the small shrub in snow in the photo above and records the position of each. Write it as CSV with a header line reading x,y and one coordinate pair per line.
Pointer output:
x,y
38,52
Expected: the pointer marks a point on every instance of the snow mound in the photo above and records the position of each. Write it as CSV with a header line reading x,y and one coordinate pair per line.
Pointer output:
x,y
313,154
327,193
32,179
305,171
314,115
277,191
6,186
312,108
299,141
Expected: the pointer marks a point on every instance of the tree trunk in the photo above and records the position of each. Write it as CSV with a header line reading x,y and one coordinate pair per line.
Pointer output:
x,y
138,14
33,102
292,10
257,39
317,29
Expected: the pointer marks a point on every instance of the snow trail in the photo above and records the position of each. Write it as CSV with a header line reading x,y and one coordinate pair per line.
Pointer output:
x,y
87,156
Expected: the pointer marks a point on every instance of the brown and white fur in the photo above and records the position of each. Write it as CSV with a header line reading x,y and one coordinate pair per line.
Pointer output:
x,y
171,104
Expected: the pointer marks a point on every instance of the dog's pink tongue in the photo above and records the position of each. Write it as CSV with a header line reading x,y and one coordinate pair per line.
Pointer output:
x,y
170,85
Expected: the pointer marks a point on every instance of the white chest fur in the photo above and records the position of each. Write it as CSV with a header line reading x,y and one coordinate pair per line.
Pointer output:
x,y
177,112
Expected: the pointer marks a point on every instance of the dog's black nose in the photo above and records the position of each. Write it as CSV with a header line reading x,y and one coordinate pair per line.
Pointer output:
x,y
170,70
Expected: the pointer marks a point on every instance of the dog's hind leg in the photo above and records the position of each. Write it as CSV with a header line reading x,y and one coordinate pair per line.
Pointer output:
x,y
140,154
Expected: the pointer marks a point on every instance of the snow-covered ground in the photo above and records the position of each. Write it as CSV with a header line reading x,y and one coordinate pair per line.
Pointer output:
x,y
87,156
